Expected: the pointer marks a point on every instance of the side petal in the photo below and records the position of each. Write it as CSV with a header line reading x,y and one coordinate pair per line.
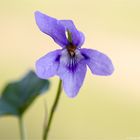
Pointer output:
x,y
72,78
51,27
78,37
99,63
47,65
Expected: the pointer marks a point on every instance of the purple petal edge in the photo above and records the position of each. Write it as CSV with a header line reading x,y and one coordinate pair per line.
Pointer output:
x,y
47,65
72,80
51,27
99,63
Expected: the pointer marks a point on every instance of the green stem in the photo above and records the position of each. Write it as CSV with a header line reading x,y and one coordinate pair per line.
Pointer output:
x,y
47,128
22,129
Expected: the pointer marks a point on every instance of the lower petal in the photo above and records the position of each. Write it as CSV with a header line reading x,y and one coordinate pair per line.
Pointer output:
x,y
72,79
99,63
47,65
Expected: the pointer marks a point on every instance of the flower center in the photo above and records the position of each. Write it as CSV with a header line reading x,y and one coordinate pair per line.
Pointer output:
x,y
71,50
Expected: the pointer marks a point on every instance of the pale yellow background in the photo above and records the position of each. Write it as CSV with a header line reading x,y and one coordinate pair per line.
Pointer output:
x,y
106,108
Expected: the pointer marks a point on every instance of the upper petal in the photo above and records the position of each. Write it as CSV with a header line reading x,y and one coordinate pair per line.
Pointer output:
x,y
99,63
47,65
77,36
72,72
51,27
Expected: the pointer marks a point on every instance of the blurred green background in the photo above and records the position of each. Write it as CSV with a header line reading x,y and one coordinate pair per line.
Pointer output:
x,y
106,108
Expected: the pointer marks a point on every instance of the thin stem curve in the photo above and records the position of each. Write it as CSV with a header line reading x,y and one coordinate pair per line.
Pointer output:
x,y
54,106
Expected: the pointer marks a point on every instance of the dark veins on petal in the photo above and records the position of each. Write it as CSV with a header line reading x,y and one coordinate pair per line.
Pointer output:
x,y
57,58
72,64
85,56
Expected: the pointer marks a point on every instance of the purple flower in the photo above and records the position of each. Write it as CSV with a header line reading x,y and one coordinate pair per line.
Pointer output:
x,y
69,62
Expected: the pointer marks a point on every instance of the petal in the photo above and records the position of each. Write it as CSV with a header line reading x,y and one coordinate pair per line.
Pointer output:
x,y
99,63
77,36
51,27
72,77
47,65
82,39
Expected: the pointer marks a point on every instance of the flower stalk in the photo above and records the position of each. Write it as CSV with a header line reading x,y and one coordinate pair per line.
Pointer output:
x,y
22,129
54,106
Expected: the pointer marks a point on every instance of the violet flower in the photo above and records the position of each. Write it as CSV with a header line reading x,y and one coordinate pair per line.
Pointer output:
x,y
70,62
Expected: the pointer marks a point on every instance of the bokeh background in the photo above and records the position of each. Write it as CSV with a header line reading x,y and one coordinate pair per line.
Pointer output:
x,y
106,108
